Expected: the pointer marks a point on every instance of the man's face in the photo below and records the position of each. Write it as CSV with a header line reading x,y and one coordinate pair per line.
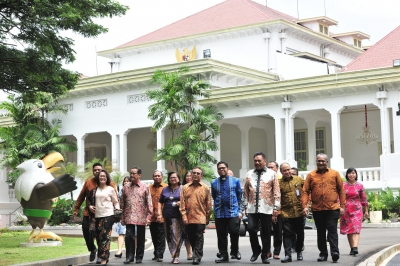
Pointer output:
x,y
285,171
322,163
197,175
97,169
222,170
272,166
157,178
259,162
293,172
135,177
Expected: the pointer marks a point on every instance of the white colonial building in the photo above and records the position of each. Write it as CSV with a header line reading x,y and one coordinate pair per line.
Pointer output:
x,y
290,88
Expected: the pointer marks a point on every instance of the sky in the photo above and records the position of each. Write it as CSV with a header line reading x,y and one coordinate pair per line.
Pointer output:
x,y
375,18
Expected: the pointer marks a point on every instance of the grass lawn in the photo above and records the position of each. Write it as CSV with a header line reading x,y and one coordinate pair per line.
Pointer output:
x,y
11,253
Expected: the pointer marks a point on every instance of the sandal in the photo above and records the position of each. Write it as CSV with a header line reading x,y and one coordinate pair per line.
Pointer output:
x,y
189,258
175,261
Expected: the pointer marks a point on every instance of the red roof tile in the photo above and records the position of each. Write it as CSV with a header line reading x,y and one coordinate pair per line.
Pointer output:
x,y
228,14
379,55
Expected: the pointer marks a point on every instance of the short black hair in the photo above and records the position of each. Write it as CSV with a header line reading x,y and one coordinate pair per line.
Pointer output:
x,y
139,171
179,178
260,153
276,164
351,169
97,164
222,162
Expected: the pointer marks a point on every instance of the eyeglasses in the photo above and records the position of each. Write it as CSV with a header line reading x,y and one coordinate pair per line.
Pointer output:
x,y
134,173
221,168
196,173
321,161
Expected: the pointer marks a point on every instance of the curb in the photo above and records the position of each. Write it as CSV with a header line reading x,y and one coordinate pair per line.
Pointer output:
x,y
73,260
379,257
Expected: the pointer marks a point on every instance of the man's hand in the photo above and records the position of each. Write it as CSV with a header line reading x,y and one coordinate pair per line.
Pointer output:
x,y
74,215
148,221
305,212
341,211
185,221
240,216
275,216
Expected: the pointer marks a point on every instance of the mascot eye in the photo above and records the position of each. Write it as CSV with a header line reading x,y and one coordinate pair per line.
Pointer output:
x,y
39,165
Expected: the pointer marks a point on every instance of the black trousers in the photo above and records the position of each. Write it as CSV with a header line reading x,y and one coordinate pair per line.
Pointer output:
x,y
265,221
293,237
89,239
277,235
158,238
195,234
292,226
327,221
230,225
130,246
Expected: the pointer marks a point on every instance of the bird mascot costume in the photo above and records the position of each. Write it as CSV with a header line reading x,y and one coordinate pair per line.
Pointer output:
x,y
36,189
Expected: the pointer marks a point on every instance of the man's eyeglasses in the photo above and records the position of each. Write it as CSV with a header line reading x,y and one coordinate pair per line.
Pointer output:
x,y
221,168
134,173
321,161
196,173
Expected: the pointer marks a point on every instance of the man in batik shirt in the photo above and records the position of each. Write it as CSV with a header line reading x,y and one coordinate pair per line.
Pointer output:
x,y
196,209
137,209
261,204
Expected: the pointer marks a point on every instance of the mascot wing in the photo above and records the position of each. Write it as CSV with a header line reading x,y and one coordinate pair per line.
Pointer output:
x,y
33,173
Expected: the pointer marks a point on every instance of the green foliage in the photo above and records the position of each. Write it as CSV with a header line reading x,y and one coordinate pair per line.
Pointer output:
x,y
375,202
118,178
193,130
302,165
32,136
35,63
63,211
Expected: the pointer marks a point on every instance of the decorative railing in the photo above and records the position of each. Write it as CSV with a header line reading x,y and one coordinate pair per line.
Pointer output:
x,y
369,177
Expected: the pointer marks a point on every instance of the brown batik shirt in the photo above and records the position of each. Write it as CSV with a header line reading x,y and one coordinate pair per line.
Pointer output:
x,y
196,203
326,190
155,191
291,196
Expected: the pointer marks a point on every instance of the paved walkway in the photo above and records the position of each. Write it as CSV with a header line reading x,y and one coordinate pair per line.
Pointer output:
x,y
379,245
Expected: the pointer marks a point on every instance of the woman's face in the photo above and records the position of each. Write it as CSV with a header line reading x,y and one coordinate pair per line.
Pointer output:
x,y
173,179
188,178
352,176
103,178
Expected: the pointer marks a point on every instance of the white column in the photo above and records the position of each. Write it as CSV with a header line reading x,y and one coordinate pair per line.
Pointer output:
x,y
289,156
115,152
337,161
382,96
160,145
279,140
80,154
311,144
123,150
396,129
244,134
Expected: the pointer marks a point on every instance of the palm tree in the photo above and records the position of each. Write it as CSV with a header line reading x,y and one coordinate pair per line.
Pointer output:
x,y
193,129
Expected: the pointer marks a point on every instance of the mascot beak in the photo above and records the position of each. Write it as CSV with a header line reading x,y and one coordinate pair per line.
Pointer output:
x,y
51,159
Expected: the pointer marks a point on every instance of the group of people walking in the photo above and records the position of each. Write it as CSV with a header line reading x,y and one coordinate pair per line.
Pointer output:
x,y
177,212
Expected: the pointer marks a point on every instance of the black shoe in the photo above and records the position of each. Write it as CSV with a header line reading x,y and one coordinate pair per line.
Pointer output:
x,y
355,251
219,255
299,256
292,250
351,251
223,259
98,261
196,262
238,256
286,259
160,260
254,257
118,255
138,261
335,256
128,261
265,260
93,254
322,258
155,258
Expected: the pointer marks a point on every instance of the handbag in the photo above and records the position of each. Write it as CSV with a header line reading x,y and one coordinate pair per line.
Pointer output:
x,y
117,215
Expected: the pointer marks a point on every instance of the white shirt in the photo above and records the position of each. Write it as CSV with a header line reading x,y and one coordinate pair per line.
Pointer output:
x,y
106,200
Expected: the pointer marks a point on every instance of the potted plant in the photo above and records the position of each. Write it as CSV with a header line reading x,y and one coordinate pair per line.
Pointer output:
x,y
376,206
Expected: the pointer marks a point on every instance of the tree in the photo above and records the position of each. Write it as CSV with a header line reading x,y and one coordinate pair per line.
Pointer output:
x,y
32,135
32,48
193,129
